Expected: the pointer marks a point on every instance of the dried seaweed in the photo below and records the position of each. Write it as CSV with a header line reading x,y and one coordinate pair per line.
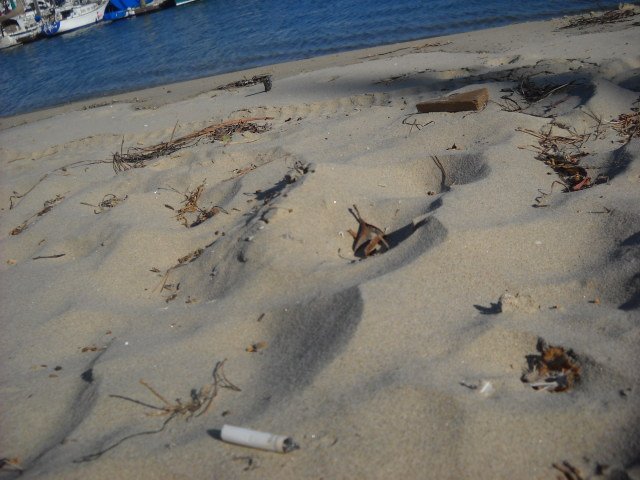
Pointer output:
x,y
563,154
530,92
247,82
611,16
369,239
188,258
190,208
198,404
136,157
627,125
108,201
555,369
48,205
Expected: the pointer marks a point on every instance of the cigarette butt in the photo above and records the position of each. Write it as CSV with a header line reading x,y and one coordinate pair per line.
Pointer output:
x,y
255,439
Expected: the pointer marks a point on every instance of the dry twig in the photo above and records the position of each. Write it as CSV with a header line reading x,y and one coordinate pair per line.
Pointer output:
x,y
136,157
563,154
198,404
48,205
108,201
627,125
190,206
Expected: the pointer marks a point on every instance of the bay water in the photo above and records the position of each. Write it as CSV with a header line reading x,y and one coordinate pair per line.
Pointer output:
x,y
209,37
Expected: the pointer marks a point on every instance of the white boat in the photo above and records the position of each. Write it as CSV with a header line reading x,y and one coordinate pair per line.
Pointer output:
x,y
71,16
20,26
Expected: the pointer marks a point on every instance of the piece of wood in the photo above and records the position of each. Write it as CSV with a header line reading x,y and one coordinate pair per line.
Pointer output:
x,y
473,100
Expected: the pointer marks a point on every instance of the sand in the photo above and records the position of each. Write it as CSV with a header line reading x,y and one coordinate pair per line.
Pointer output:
x,y
408,363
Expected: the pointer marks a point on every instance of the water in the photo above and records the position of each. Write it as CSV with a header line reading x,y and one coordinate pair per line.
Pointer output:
x,y
209,37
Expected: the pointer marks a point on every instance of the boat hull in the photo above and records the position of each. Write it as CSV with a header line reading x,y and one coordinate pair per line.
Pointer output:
x,y
80,17
24,31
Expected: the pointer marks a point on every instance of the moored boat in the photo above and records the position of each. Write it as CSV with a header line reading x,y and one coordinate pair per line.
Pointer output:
x,y
71,16
118,9
20,25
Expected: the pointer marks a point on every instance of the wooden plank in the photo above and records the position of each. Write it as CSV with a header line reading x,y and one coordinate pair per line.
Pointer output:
x,y
473,100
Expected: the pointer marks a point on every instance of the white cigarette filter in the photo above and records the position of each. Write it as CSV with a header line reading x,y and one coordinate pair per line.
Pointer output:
x,y
255,439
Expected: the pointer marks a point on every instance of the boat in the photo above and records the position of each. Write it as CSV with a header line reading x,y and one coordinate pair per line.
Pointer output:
x,y
20,25
71,16
118,9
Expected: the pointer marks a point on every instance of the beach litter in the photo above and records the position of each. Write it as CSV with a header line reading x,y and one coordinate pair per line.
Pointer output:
x,y
255,439
473,100
369,239
555,369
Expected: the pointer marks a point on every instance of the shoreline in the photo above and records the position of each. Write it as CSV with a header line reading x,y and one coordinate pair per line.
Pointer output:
x,y
155,97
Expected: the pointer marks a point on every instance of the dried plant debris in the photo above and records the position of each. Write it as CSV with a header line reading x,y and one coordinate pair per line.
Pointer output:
x,y
563,155
48,205
198,404
11,464
136,157
627,125
299,169
369,239
108,201
163,285
555,369
191,214
530,92
569,472
266,80
623,12
256,347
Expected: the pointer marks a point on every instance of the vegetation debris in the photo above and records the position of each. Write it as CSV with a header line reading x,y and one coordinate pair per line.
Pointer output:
x,y
198,404
555,369
108,201
136,157
610,16
190,207
48,205
627,125
266,80
563,154
369,239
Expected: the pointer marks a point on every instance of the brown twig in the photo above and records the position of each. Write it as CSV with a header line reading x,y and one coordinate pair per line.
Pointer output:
x,y
136,157
199,403
48,205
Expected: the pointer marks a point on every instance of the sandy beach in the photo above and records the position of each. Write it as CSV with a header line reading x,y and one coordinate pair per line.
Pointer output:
x,y
181,258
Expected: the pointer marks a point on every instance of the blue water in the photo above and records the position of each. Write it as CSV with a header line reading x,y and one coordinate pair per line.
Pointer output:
x,y
209,37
